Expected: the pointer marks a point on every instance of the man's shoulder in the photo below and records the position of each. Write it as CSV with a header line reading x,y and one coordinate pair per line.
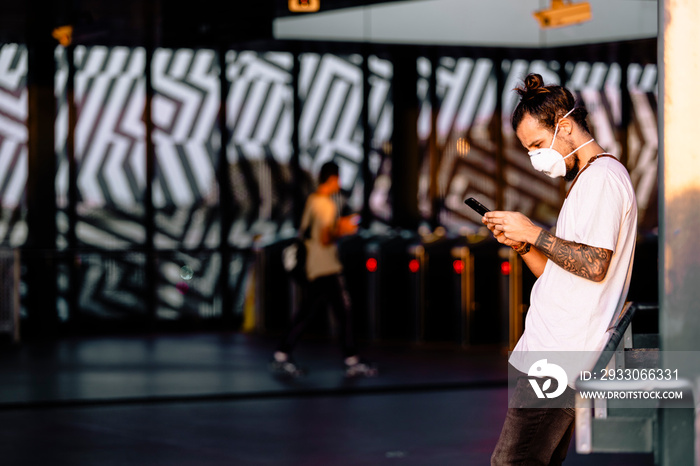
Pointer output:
x,y
320,205
607,178
611,164
606,167
318,199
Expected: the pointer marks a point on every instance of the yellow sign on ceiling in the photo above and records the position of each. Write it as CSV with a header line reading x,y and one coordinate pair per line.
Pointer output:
x,y
304,6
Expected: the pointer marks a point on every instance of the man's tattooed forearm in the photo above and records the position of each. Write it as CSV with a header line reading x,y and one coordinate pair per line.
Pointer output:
x,y
579,259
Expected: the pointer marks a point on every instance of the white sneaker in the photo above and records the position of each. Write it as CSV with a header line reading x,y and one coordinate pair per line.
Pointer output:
x,y
361,368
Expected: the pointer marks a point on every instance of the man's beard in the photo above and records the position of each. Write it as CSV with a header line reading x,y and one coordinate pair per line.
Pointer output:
x,y
573,171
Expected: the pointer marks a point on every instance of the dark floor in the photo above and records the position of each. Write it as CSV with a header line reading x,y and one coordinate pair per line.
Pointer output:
x,y
208,399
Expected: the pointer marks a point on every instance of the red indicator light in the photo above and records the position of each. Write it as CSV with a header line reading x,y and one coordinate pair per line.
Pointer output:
x,y
458,266
505,268
413,265
371,264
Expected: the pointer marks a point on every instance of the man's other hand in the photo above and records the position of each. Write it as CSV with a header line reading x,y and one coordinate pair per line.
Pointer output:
x,y
348,225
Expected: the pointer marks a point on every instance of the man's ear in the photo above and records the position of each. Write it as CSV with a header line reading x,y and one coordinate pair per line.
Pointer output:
x,y
566,125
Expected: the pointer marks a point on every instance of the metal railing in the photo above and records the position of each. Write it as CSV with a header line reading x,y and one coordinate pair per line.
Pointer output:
x,y
604,425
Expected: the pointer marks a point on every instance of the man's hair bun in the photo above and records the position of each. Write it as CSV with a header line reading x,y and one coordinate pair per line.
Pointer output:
x,y
533,86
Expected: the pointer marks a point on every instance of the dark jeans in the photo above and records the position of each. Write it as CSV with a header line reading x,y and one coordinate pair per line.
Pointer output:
x,y
534,436
316,296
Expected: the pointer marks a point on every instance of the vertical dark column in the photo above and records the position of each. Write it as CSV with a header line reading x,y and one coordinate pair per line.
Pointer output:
x,y
435,153
149,209
405,154
40,248
498,133
298,201
563,80
225,195
367,181
561,71
72,237
626,107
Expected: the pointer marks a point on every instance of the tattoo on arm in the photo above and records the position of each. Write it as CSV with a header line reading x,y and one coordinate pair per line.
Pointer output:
x,y
582,260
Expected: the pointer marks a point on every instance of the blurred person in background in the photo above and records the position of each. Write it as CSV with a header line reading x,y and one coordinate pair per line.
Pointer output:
x,y
326,283
583,271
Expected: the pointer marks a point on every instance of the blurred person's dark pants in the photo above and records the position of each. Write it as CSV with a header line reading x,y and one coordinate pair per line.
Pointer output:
x,y
534,436
316,295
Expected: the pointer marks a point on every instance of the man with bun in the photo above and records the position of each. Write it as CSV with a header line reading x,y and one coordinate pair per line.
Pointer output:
x,y
583,268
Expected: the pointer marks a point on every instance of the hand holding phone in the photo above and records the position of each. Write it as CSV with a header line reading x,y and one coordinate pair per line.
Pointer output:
x,y
347,225
477,206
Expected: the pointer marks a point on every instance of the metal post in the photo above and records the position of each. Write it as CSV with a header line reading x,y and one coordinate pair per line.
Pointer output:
x,y
515,299
418,284
467,292
374,290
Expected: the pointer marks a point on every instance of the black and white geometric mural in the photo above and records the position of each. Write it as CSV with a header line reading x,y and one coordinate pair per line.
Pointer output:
x,y
466,91
13,143
111,153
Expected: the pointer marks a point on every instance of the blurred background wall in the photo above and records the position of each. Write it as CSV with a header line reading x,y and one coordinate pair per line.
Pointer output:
x,y
161,215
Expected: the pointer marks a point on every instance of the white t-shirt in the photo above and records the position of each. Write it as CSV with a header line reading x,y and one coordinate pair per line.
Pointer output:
x,y
568,312
321,259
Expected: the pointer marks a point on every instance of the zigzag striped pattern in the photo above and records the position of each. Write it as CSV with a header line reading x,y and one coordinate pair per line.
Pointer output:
x,y
642,83
13,142
466,90
110,150
259,119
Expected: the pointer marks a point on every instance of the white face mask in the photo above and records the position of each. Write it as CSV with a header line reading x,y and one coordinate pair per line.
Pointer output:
x,y
549,161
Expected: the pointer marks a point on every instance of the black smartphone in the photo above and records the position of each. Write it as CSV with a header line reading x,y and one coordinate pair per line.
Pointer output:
x,y
477,206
